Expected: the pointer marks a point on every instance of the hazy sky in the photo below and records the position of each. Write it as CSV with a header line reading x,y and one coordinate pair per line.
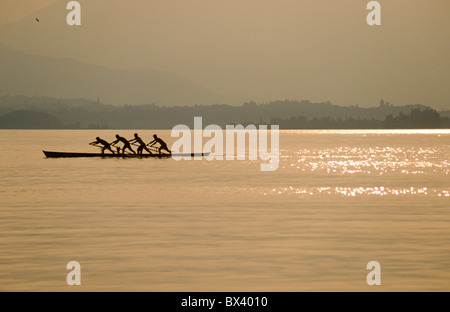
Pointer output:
x,y
257,49
13,10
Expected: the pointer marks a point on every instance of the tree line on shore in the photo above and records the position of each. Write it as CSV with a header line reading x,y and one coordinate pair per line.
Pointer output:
x,y
20,112
416,119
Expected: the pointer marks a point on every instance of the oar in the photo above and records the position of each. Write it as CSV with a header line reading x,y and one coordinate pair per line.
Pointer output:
x,y
99,146
152,146
155,149
96,145
126,152
114,144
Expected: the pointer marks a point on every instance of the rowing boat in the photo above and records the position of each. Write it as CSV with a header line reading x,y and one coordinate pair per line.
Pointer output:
x,y
107,155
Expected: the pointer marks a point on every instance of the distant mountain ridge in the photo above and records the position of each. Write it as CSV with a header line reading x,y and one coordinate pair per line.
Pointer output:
x,y
33,75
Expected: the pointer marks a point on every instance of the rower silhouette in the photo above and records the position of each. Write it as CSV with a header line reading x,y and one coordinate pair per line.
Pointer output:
x,y
126,144
163,145
106,145
142,145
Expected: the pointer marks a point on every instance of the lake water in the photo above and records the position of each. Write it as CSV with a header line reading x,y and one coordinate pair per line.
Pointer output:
x,y
339,200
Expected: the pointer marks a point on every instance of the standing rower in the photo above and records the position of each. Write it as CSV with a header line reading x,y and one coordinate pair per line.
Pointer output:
x,y
142,145
163,145
106,145
125,142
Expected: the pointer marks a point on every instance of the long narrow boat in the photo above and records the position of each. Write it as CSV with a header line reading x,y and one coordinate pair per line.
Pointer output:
x,y
107,155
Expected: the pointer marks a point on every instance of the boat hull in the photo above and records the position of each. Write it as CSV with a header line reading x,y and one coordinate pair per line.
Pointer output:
x,y
49,154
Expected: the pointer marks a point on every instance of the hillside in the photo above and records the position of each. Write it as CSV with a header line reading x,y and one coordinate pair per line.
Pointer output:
x,y
29,120
33,75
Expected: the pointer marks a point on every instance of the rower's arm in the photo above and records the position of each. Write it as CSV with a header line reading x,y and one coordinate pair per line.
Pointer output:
x,y
152,143
113,143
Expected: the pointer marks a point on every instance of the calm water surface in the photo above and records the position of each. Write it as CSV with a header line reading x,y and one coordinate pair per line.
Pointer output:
x,y
338,200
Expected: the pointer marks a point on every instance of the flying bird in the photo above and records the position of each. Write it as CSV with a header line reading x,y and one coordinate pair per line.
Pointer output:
x,y
37,20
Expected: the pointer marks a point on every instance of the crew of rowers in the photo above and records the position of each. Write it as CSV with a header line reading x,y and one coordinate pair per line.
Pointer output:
x,y
127,144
